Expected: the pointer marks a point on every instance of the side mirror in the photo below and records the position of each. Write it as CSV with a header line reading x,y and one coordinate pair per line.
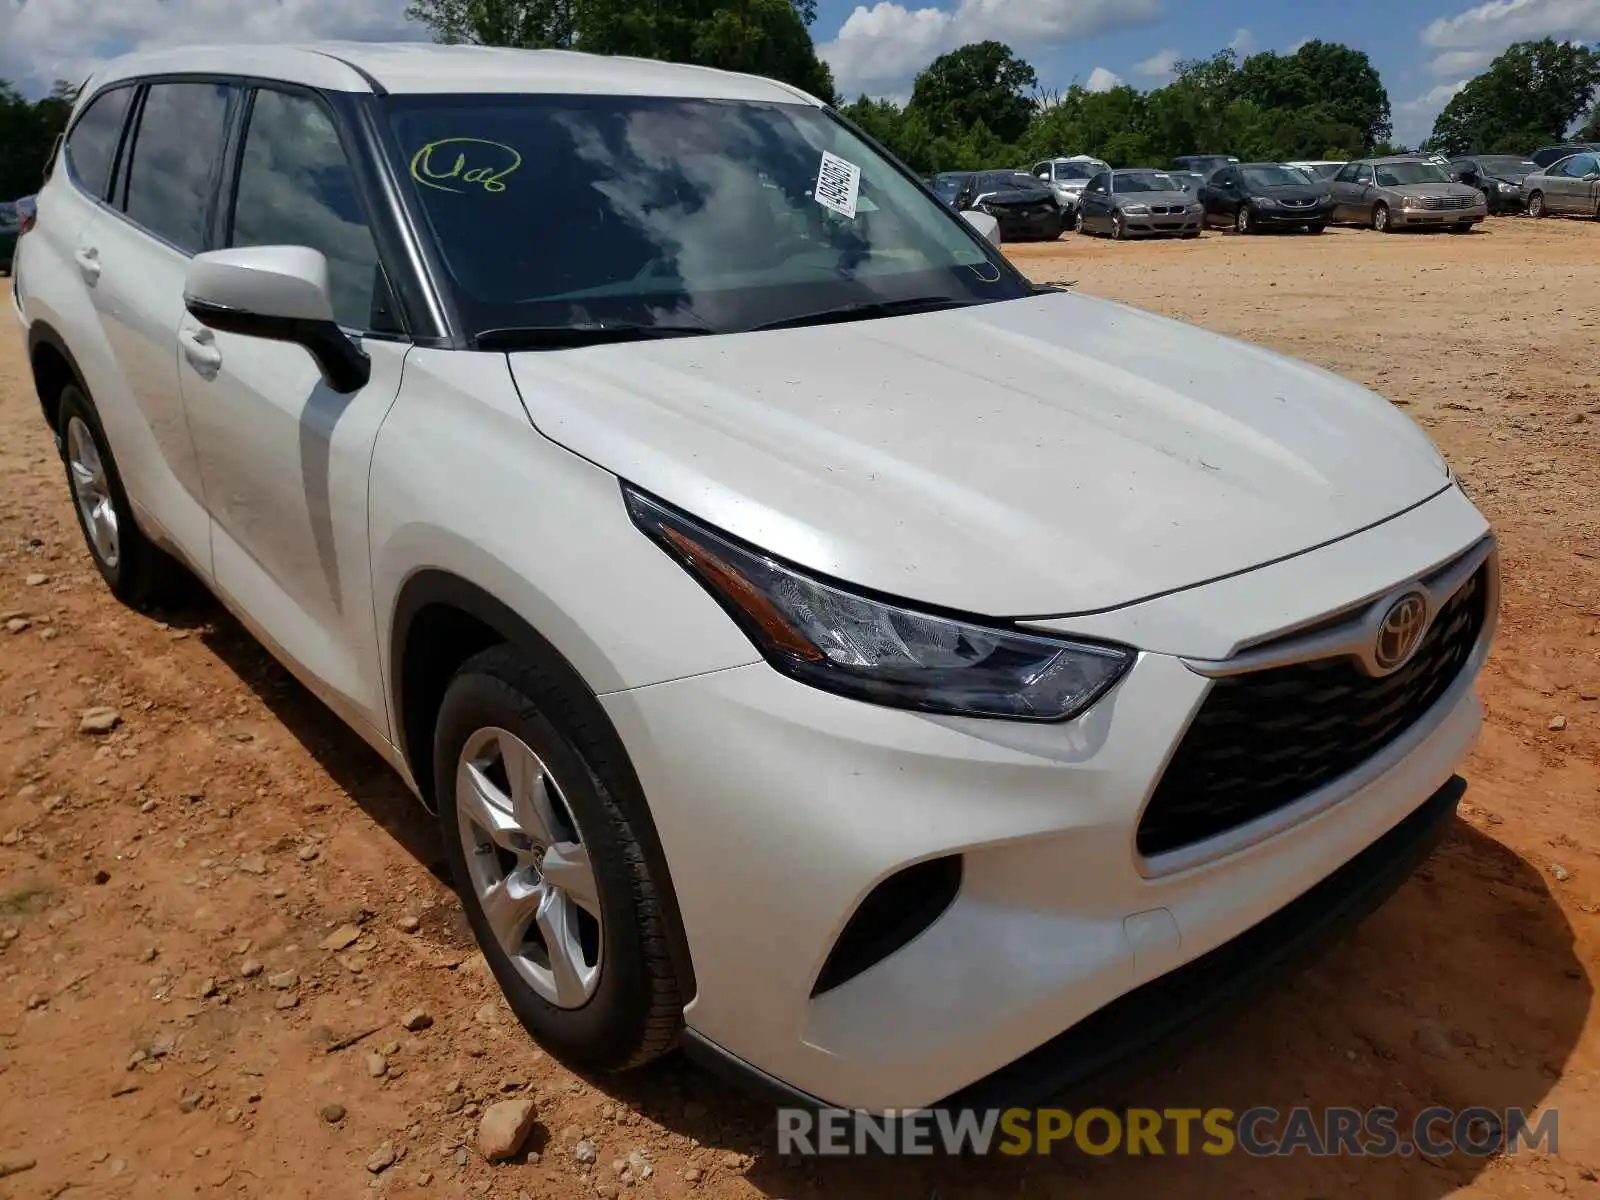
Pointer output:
x,y
280,293
984,223
1591,176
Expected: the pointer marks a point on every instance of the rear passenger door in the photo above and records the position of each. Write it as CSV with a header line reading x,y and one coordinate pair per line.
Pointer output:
x,y
163,199
284,457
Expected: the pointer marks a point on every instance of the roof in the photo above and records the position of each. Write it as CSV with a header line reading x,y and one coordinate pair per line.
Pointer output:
x,y
1393,158
421,67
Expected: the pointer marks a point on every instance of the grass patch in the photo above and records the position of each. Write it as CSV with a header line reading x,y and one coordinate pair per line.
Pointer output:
x,y
31,898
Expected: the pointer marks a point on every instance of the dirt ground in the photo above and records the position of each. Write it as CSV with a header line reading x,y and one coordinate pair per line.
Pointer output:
x,y
171,1016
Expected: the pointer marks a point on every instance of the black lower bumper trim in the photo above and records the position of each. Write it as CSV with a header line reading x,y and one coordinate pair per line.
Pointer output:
x,y
1120,1035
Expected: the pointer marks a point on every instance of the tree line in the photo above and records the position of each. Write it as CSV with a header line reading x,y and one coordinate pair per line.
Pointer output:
x,y
28,132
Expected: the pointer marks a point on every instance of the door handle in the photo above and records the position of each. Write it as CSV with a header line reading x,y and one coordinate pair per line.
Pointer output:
x,y
88,260
200,348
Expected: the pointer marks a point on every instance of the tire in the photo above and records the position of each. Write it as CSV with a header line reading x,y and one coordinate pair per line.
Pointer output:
x,y
1189,237
1077,223
620,1005
1536,206
1380,218
1462,228
1315,228
138,572
1244,220
1118,230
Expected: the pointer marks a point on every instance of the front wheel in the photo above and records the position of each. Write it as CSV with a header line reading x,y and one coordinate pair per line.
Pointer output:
x,y
555,883
1536,206
1381,220
1315,228
1243,222
1118,231
1077,223
1461,229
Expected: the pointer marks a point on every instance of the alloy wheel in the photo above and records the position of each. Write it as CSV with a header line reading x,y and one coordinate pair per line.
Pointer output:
x,y
92,492
1241,220
529,867
1380,218
1536,205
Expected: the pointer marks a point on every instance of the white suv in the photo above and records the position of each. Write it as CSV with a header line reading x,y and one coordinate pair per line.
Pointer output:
x,y
823,648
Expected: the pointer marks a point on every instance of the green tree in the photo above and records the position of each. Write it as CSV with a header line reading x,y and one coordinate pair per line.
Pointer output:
x,y
983,82
1322,85
28,133
1528,96
764,37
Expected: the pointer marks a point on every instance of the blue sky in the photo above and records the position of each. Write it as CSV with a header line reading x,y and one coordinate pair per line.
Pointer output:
x,y
1425,49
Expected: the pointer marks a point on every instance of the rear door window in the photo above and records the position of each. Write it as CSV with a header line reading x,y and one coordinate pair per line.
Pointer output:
x,y
173,175
92,144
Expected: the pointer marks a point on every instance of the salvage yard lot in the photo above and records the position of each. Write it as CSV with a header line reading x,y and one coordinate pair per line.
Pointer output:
x,y
160,883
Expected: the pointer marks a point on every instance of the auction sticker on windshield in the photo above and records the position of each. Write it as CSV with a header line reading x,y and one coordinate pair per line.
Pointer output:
x,y
838,183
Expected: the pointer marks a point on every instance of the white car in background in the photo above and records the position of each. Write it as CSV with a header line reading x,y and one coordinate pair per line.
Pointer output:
x,y
895,682
1067,178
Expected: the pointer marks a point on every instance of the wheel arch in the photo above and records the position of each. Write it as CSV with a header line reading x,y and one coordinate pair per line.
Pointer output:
x,y
53,367
441,620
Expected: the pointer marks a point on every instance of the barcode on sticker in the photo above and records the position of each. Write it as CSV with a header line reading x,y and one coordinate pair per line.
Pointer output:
x,y
838,182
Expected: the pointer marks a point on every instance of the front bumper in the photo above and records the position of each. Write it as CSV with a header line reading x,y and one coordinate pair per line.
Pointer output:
x,y
1162,224
780,807
1421,218
1293,218
1018,228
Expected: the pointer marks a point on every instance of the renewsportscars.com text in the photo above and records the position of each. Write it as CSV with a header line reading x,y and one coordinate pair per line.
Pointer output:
x,y
1258,1132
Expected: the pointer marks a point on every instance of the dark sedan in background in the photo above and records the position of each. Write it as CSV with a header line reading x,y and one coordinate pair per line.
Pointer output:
x,y
1498,176
1139,203
1024,205
10,226
1252,197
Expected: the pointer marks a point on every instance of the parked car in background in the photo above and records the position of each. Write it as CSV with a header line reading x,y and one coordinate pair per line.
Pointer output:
x,y
1251,197
1192,180
947,185
1404,192
1548,156
1570,186
1067,177
10,226
1203,164
1139,203
1023,204
1498,176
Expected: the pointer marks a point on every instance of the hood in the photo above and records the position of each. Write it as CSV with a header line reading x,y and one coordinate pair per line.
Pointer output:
x,y
1433,189
1152,197
1018,196
1292,191
1043,456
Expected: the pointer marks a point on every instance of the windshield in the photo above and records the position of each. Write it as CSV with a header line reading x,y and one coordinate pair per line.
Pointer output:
x,y
946,186
712,216
1272,177
1400,174
1327,170
1078,170
1507,164
1145,181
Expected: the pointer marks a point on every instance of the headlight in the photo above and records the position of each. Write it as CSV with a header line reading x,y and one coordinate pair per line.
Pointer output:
x,y
1136,210
1508,187
1194,208
1410,202
1267,202
874,650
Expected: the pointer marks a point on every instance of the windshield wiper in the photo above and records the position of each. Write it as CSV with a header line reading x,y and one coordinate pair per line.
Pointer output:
x,y
866,311
568,337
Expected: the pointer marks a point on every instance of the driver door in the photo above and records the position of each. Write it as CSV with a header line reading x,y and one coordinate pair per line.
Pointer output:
x,y
283,456
1095,204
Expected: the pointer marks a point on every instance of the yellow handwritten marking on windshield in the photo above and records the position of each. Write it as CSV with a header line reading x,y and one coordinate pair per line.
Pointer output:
x,y
446,160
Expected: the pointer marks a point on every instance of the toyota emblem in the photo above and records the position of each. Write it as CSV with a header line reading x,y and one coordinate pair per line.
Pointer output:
x,y
1400,631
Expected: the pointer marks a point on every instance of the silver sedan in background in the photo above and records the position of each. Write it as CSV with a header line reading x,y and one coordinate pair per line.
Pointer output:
x,y
1571,185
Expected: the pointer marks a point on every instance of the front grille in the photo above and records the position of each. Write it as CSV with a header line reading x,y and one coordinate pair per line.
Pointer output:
x,y
1297,203
1264,739
1446,202
1166,210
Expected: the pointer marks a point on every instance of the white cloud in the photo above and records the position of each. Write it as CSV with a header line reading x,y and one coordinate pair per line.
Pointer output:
x,y
1243,42
1159,65
1413,120
1295,46
1470,39
1102,80
45,40
881,48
